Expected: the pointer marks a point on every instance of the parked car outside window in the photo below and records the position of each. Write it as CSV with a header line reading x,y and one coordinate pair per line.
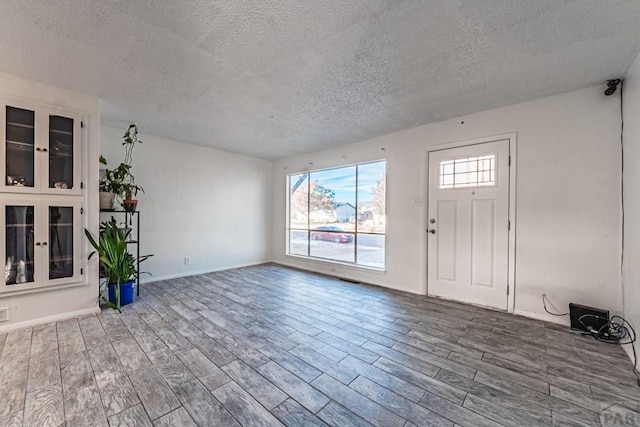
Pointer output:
x,y
331,233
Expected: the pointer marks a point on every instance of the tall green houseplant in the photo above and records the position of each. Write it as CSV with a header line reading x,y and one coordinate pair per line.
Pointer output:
x,y
117,265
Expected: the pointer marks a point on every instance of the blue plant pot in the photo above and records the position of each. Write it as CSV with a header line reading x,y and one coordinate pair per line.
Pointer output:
x,y
126,293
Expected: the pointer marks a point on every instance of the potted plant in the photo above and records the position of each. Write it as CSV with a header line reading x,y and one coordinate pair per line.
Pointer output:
x,y
120,181
109,185
118,267
129,189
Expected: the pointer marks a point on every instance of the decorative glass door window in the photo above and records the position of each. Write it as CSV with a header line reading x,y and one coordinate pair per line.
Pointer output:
x,y
61,150
20,147
19,244
468,172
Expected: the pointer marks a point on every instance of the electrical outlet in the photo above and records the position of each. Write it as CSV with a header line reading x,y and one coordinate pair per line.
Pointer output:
x,y
187,260
4,314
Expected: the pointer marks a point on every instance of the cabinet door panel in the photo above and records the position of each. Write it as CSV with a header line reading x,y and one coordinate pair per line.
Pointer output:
x,y
63,225
19,244
42,245
61,242
19,159
62,153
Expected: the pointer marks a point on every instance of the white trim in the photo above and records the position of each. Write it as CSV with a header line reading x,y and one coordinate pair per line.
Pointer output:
x,y
367,281
354,266
151,279
49,319
512,137
543,317
513,145
629,351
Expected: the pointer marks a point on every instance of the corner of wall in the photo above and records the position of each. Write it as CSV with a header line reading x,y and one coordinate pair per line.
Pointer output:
x,y
631,182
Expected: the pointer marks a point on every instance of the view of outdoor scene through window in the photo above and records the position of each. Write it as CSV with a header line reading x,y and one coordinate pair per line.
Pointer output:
x,y
339,214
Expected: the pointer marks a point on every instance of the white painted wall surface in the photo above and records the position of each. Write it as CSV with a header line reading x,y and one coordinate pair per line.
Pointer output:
x,y
568,239
202,203
53,304
632,197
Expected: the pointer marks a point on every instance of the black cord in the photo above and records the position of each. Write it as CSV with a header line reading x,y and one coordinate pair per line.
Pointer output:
x,y
633,348
544,304
622,172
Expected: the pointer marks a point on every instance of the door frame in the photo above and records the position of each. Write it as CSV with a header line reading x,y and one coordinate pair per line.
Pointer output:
x,y
511,262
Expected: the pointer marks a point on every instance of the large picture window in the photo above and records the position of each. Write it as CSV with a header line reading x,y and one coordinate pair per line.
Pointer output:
x,y
339,214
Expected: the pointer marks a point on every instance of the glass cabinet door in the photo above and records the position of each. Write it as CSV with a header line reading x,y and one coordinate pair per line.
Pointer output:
x,y
19,244
61,152
19,147
61,241
61,168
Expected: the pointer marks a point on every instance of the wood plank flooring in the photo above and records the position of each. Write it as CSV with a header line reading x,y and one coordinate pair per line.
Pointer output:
x,y
269,346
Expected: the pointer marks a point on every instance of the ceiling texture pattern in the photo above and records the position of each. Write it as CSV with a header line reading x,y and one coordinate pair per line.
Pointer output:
x,y
275,78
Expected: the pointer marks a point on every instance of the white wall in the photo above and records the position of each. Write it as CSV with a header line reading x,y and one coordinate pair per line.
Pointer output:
x,y
632,197
51,304
568,199
206,204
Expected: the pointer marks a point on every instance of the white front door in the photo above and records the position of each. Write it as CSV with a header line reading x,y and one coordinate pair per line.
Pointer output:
x,y
468,224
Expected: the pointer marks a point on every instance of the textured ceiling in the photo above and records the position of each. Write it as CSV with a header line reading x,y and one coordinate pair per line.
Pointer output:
x,y
274,78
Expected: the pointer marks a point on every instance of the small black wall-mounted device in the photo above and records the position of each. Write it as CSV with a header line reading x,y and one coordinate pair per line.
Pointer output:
x,y
612,85
588,319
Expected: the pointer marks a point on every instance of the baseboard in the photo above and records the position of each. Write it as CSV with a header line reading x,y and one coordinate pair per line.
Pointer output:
x,y
49,319
564,320
358,279
151,279
627,349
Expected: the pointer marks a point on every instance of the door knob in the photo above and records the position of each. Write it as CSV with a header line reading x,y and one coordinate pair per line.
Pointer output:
x,y
431,231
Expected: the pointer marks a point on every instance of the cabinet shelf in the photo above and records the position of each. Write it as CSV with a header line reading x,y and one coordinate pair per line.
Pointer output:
x,y
15,263
19,226
20,144
61,132
22,125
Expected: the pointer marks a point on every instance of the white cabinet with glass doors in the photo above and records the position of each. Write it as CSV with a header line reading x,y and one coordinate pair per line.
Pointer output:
x,y
41,196
42,244
41,150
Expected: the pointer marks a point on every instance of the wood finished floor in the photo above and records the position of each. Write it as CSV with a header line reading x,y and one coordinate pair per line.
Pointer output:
x,y
267,345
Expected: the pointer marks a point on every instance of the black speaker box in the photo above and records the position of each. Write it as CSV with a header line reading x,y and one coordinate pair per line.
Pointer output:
x,y
588,319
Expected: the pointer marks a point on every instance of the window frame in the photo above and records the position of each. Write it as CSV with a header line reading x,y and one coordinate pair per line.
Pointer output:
x,y
470,185
355,232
